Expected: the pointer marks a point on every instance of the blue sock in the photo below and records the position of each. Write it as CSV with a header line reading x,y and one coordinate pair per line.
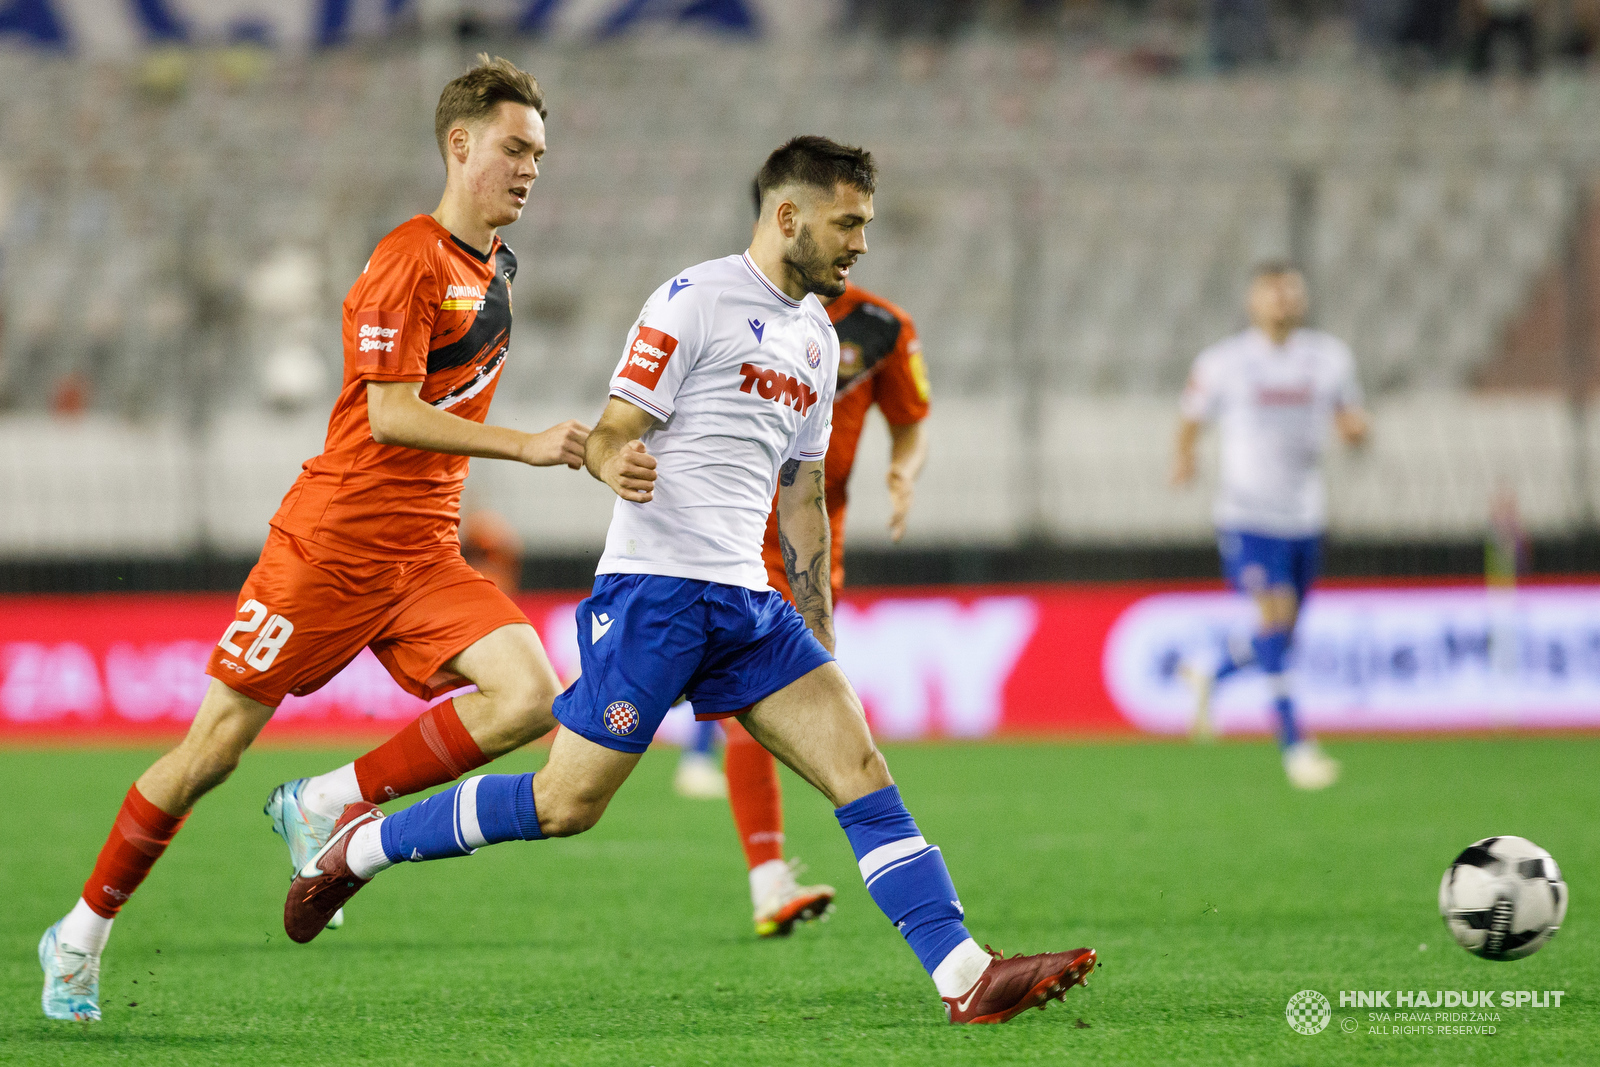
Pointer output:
x,y
905,875
703,738
1288,729
1271,649
482,810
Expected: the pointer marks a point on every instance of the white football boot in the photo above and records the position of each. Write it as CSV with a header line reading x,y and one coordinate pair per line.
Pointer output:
x,y
303,830
71,980
699,778
1308,767
780,901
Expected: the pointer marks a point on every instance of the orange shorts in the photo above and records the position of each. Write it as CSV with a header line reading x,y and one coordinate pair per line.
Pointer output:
x,y
306,611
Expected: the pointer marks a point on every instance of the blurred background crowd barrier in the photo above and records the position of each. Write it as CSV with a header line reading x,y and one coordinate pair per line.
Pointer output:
x,y
1071,199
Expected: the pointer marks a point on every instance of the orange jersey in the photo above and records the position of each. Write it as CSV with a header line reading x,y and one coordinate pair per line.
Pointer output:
x,y
428,308
880,362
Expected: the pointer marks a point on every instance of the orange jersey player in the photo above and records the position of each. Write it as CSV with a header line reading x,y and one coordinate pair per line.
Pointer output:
x,y
880,362
364,552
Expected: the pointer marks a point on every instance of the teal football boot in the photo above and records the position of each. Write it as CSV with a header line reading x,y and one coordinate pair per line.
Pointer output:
x,y
71,980
303,830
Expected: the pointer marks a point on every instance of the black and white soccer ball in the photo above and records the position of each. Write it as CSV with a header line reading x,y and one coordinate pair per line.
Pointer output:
x,y
1503,898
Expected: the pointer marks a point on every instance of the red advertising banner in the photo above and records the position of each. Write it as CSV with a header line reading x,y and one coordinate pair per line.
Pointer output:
x,y
959,662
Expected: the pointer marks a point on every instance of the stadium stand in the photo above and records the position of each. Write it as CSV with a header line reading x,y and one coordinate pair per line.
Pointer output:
x,y
1067,237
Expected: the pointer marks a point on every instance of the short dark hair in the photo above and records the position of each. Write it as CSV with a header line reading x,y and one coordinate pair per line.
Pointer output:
x,y
1273,268
816,162
479,91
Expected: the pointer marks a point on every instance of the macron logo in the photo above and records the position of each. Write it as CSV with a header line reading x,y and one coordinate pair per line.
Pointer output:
x,y
677,287
599,626
757,327
778,388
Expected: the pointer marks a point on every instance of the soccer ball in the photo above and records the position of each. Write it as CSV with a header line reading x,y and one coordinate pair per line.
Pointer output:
x,y
1503,898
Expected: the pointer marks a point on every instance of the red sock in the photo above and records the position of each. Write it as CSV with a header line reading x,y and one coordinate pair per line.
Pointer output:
x,y
140,835
433,750
754,795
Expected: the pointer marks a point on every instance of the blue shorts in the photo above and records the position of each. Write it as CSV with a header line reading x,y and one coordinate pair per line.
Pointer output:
x,y
1254,563
646,639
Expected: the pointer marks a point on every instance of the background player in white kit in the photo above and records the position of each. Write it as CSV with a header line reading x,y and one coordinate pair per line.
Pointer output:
x,y
724,396
1273,391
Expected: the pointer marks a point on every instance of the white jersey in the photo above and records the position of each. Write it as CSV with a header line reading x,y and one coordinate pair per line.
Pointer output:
x,y
740,379
1273,407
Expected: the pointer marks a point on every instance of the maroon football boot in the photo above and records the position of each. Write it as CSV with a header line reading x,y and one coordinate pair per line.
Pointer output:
x,y
321,887
1010,987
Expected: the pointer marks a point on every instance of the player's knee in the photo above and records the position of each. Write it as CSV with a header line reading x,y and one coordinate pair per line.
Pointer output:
x,y
866,772
520,711
563,817
1278,609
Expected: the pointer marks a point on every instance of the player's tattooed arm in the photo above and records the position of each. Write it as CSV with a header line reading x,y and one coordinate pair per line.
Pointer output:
x,y
615,454
805,541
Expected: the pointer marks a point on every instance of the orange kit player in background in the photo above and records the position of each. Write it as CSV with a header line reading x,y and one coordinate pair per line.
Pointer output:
x,y
880,362
363,553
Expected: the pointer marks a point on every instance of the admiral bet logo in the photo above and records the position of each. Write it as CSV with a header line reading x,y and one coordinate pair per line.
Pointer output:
x,y
648,355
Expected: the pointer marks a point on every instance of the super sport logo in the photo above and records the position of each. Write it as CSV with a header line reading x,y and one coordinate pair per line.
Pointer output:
x,y
376,339
648,356
777,387
377,332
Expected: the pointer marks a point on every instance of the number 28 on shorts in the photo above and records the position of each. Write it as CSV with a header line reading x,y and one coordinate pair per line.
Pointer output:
x,y
271,631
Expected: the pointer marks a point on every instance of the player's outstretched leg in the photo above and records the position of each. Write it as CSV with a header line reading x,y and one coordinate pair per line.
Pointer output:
x,y
567,797
152,813
817,727
756,799
516,686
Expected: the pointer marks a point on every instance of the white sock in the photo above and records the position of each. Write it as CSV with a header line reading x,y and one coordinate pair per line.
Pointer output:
x,y
766,879
327,794
365,853
85,929
960,970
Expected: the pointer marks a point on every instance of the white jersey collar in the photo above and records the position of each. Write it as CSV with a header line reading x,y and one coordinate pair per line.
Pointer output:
x,y
762,278
1267,346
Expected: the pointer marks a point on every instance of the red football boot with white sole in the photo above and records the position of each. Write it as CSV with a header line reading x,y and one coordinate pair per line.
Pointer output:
x,y
1009,987
321,887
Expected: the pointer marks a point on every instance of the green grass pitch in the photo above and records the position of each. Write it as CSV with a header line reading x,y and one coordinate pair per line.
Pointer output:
x,y
1211,890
